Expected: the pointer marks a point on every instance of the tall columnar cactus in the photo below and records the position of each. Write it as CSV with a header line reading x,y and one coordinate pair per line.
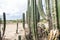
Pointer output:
x,y
33,17
58,15
17,27
54,18
28,16
51,10
32,27
24,24
4,19
27,12
50,16
29,22
0,29
0,21
0,24
48,12
34,22
40,9
37,14
23,20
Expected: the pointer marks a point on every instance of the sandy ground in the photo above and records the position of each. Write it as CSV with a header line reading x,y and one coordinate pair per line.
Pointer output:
x,y
10,32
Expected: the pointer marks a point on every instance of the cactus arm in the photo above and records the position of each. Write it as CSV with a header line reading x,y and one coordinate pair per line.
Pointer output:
x,y
40,9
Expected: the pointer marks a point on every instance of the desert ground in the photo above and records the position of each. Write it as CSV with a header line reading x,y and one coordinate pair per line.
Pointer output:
x,y
10,31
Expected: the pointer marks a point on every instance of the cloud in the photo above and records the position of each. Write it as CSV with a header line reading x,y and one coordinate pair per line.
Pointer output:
x,y
13,8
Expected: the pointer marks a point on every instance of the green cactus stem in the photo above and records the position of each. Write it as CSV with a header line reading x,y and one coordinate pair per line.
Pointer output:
x,y
4,19
23,20
0,29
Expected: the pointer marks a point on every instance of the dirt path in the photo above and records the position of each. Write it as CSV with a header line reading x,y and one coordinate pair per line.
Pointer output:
x,y
10,32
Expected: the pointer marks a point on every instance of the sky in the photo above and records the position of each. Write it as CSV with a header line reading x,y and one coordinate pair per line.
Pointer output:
x,y
13,8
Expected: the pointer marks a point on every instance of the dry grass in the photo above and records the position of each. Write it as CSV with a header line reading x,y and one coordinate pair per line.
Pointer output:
x,y
53,34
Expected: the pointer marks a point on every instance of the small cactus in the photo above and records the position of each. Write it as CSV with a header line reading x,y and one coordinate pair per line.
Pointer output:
x,y
17,27
23,20
0,29
4,19
19,37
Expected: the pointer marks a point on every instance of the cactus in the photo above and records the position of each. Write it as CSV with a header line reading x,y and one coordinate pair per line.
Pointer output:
x,y
49,17
19,37
27,12
27,17
58,15
35,11
40,9
37,14
0,29
29,23
29,20
33,6
54,18
24,23
33,17
4,18
0,21
17,27
23,20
